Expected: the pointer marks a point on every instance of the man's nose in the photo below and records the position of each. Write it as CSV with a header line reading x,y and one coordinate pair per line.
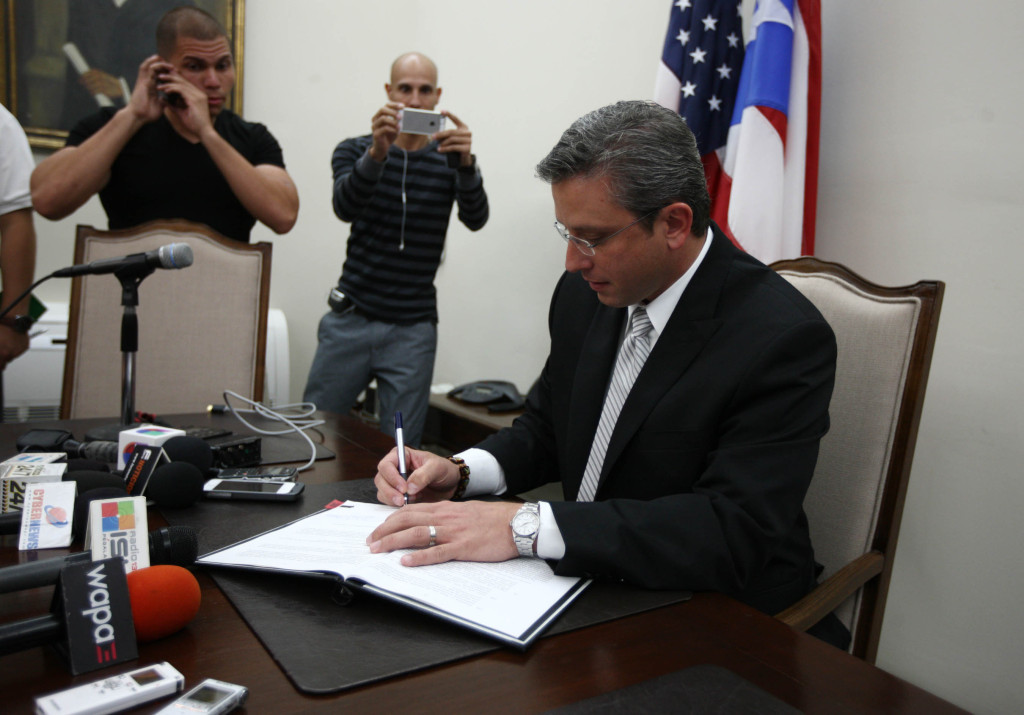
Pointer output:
x,y
575,261
211,78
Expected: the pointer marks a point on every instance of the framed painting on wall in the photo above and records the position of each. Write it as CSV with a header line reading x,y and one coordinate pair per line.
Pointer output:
x,y
54,49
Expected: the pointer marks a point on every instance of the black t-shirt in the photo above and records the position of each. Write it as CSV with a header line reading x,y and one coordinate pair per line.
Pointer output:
x,y
161,175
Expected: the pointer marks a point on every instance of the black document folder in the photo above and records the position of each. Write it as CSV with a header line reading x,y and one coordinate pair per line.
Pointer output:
x,y
511,601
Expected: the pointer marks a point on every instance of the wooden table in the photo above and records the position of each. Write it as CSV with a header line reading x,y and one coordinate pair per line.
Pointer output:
x,y
798,669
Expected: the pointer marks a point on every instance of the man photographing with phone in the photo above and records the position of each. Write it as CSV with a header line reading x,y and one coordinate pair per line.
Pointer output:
x,y
396,186
174,151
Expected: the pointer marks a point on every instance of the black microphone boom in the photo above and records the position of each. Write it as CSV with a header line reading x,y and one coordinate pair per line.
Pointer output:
x,y
173,255
177,545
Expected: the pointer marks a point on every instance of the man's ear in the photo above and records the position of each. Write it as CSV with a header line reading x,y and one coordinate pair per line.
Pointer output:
x,y
387,89
679,220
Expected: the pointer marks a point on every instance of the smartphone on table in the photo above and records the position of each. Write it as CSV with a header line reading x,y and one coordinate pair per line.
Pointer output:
x,y
257,489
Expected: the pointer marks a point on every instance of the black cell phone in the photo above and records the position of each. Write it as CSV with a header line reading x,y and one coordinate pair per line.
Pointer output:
x,y
257,489
173,98
278,473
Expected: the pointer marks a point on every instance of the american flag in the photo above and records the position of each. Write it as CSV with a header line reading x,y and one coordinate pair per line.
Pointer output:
x,y
754,112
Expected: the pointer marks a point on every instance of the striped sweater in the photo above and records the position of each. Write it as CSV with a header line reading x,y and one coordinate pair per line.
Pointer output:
x,y
393,250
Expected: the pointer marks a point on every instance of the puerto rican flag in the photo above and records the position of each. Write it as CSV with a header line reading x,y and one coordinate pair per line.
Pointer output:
x,y
755,114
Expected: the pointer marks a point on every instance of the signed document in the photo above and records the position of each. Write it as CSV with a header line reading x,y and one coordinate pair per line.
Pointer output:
x,y
512,601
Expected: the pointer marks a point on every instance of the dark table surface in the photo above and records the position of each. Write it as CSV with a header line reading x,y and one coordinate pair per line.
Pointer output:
x,y
557,671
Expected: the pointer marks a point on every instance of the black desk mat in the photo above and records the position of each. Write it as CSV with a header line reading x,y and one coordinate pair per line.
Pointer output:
x,y
324,647
703,689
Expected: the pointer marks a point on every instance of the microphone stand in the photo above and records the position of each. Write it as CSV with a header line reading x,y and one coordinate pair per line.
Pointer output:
x,y
130,278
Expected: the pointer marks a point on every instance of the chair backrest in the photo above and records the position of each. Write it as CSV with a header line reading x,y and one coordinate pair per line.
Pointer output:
x,y
885,340
202,329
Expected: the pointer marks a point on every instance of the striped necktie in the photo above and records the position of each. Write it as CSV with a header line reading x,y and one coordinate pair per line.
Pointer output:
x,y
632,356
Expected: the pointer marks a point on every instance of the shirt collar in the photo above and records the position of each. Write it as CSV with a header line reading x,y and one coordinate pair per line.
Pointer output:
x,y
661,308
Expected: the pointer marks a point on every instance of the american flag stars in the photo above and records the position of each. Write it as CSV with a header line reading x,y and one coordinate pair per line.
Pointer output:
x,y
704,49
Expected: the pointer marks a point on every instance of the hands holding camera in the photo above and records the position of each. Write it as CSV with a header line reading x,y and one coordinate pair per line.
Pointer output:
x,y
385,129
459,139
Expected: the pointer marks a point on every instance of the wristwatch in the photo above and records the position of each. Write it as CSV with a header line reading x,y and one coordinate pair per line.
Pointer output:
x,y
18,323
525,525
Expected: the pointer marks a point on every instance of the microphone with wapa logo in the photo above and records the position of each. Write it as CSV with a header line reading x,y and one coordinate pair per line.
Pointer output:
x,y
100,614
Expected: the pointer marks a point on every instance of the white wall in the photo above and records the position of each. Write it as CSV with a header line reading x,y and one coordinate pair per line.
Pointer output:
x,y
917,181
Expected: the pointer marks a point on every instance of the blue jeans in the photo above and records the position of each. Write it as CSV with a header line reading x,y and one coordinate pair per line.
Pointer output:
x,y
352,350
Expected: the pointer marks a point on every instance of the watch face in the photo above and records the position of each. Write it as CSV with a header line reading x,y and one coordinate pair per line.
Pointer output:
x,y
525,523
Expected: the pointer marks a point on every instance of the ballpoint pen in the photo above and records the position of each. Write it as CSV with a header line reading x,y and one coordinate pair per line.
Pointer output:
x,y
400,442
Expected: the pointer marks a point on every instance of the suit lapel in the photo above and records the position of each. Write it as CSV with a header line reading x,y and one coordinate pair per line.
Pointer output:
x,y
691,326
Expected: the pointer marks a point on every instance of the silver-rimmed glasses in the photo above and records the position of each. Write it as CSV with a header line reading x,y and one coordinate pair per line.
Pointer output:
x,y
587,247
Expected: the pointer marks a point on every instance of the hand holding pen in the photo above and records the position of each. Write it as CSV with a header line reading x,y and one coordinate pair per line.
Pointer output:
x,y
400,443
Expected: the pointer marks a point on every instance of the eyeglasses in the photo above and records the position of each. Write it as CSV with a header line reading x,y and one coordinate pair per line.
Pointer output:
x,y
587,247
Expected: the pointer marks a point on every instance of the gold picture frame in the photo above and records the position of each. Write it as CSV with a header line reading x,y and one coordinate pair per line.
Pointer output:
x,y
38,81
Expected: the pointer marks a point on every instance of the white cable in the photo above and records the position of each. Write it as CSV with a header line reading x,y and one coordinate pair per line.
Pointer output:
x,y
298,422
405,166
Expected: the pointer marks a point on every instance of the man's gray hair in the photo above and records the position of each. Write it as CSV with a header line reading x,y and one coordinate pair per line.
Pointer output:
x,y
647,152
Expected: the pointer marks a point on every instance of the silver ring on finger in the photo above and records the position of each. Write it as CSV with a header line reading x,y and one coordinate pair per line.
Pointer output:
x,y
433,536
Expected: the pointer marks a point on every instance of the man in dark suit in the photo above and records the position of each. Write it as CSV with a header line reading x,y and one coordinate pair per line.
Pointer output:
x,y
691,477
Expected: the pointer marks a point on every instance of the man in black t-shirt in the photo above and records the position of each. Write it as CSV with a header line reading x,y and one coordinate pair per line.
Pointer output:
x,y
174,151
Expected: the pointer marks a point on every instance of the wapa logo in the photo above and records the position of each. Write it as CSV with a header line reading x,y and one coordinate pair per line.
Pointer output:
x,y
103,635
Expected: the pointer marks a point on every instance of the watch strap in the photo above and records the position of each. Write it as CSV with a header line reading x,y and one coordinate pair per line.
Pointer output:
x,y
526,543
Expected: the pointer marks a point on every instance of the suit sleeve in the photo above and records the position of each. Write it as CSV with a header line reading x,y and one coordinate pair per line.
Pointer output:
x,y
745,505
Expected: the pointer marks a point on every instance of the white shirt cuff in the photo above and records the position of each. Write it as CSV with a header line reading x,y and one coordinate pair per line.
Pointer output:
x,y
487,477
485,473
550,544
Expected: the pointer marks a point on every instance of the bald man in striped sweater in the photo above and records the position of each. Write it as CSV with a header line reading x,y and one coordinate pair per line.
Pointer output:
x,y
397,191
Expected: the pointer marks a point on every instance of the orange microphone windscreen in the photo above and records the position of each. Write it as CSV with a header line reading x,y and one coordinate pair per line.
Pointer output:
x,y
164,599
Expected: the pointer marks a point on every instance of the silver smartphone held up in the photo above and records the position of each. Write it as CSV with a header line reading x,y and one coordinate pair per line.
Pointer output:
x,y
259,489
210,697
420,121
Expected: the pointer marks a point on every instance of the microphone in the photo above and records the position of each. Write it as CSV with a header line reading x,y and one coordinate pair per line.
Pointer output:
x,y
177,485
163,600
99,450
173,545
173,255
193,450
78,464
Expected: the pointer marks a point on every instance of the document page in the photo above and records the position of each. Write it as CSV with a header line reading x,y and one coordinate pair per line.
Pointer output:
x,y
508,597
